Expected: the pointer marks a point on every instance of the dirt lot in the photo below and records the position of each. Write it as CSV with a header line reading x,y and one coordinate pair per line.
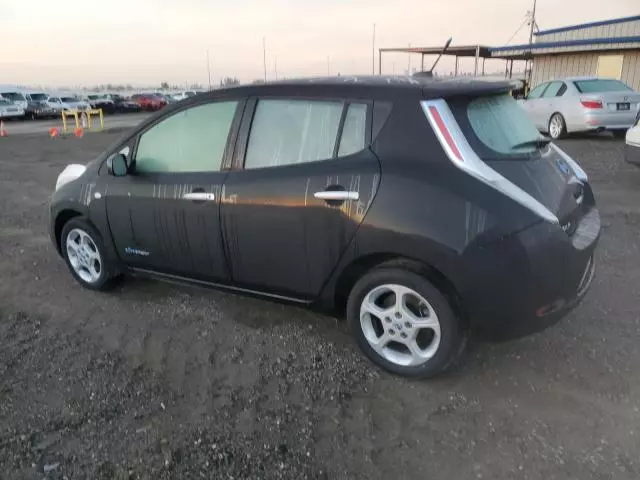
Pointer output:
x,y
156,381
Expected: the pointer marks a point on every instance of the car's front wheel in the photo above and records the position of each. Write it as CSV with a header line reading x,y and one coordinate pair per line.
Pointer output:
x,y
84,253
404,324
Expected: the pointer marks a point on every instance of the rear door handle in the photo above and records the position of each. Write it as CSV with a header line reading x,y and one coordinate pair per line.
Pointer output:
x,y
337,195
199,196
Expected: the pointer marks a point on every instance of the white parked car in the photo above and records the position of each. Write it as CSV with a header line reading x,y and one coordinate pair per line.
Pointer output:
x,y
8,109
582,104
632,147
15,96
69,103
184,95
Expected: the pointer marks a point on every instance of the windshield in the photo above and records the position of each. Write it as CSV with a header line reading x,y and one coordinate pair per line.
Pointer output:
x,y
68,99
601,86
14,96
190,94
92,97
37,97
502,125
4,101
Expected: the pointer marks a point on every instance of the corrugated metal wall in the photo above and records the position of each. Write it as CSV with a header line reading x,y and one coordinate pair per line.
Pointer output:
x,y
622,29
548,67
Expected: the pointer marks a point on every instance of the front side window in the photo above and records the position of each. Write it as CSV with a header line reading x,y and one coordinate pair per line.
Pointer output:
x,y
290,132
502,125
192,140
537,92
555,90
601,85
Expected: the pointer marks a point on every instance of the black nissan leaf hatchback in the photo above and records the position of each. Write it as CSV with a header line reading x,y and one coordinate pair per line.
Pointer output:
x,y
422,210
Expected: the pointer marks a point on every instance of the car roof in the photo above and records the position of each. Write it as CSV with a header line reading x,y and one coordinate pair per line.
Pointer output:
x,y
380,86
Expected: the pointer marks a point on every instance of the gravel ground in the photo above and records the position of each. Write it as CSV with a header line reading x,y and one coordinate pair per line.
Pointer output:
x,y
154,381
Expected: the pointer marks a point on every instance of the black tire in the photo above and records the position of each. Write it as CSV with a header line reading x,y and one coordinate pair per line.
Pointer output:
x,y
555,135
108,274
453,333
620,134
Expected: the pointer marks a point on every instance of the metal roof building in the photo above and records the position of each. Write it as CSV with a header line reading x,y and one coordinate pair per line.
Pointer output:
x,y
608,48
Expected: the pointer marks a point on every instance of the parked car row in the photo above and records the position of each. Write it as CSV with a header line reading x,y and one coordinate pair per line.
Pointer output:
x,y
16,103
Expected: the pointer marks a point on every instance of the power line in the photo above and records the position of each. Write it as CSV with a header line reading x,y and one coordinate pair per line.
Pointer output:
x,y
526,20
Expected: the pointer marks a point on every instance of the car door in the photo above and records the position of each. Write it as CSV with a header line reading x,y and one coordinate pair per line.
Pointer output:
x,y
164,214
533,106
304,178
550,102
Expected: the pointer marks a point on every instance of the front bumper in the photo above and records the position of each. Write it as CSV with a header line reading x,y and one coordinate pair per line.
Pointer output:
x,y
529,281
11,114
632,154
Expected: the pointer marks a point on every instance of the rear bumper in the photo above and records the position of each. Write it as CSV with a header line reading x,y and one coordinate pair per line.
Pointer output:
x,y
632,154
607,120
531,280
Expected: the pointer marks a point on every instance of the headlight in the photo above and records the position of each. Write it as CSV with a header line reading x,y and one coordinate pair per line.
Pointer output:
x,y
69,174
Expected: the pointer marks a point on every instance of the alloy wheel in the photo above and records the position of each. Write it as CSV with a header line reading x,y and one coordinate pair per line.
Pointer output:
x,y
400,325
84,256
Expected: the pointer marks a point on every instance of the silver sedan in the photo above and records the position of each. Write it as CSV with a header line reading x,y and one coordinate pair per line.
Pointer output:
x,y
583,104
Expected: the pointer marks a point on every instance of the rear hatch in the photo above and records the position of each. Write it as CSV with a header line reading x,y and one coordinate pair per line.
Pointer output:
x,y
501,134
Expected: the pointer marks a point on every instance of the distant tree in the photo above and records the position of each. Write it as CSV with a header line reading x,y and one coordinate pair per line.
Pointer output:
x,y
164,85
195,86
229,82
257,82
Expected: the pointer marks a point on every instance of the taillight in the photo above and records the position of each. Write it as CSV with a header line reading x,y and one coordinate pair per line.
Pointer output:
x,y
445,133
591,104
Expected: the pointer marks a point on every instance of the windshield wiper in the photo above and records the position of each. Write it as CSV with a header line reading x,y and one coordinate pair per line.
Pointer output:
x,y
538,142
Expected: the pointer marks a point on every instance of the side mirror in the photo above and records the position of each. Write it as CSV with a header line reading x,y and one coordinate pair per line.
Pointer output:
x,y
117,165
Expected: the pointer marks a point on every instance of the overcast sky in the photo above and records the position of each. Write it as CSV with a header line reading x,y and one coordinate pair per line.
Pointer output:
x,y
83,42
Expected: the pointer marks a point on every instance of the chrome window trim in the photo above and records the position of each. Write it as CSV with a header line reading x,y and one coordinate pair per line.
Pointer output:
x,y
474,166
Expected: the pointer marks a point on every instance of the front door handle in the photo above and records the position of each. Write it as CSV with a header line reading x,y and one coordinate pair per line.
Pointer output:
x,y
199,196
337,195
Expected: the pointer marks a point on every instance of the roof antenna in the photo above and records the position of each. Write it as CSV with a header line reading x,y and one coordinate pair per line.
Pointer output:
x,y
429,73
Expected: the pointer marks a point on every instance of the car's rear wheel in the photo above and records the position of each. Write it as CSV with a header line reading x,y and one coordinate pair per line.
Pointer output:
x,y
84,253
404,324
557,126
619,134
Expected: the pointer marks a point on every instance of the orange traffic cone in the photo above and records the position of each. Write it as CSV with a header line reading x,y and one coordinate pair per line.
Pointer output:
x,y
3,132
53,132
78,132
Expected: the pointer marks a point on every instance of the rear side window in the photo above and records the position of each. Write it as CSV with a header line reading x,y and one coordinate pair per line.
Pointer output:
x,y
502,125
354,130
290,132
597,85
192,140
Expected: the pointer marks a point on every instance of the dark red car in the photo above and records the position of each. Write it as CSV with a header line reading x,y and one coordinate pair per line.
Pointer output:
x,y
149,101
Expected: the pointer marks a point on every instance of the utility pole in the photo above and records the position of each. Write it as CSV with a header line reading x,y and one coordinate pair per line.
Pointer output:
x,y
209,69
409,62
373,52
530,61
264,57
533,22
275,66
